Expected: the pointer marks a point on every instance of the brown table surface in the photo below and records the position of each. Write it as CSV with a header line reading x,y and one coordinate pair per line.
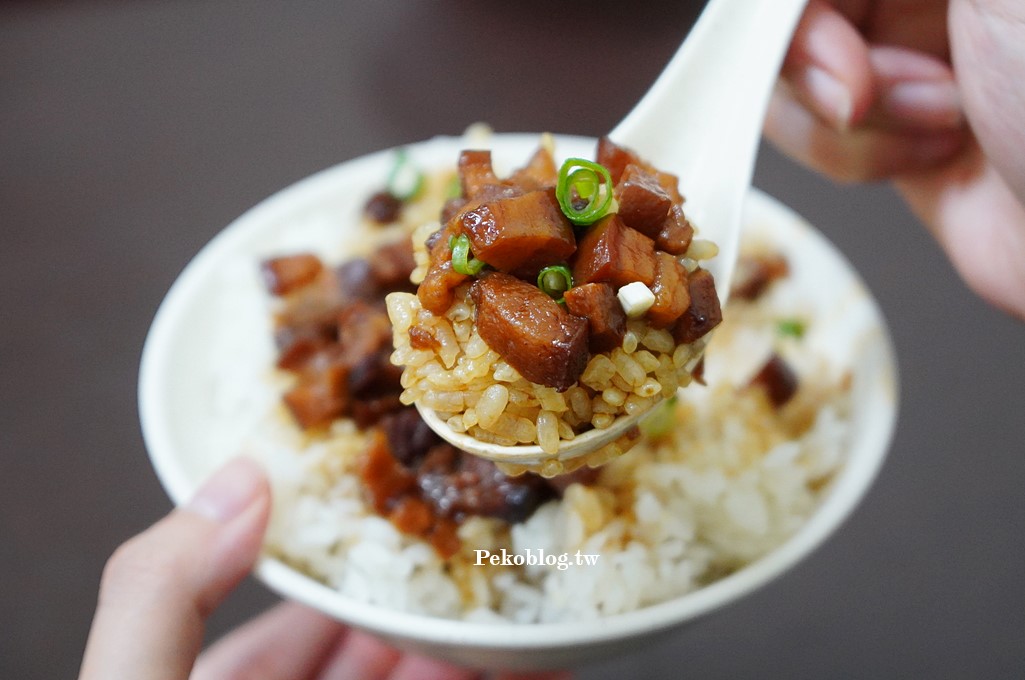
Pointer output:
x,y
131,132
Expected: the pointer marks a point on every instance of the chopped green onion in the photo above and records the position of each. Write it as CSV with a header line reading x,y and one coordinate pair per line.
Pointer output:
x,y
660,420
462,260
794,328
455,188
405,180
584,182
555,281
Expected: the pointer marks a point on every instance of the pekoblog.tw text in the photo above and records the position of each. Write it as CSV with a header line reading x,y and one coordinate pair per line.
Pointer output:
x,y
533,558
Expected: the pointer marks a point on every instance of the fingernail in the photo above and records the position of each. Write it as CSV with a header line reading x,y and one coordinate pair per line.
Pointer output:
x,y
934,104
828,95
230,490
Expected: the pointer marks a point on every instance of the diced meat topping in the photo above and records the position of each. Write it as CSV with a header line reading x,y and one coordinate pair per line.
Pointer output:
x,y
333,334
606,319
539,172
616,159
611,252
284,275
426,487
476,173
643,203
546,344
392,265
437,290
517,226
778,380
525,232
704,312
755,273
457,486
670,288
320,396
676,233
383,208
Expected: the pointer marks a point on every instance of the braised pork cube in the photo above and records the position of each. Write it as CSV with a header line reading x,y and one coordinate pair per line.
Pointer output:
x,y
319,397
437,290
363,330
755,273
475,173
296,344
457,485
382,207
394,493
777,379
439,243
286,274
540,172
670,288
524,232
704,313
676,233
392,264
616,158
478,180
530,330
643,203
356,281
611,252
409,437
606,320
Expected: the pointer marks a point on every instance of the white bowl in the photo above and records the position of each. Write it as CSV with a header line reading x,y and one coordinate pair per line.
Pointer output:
x,y
177,390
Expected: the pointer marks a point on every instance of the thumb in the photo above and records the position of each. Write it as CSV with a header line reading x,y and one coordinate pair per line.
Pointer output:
x,y
160,586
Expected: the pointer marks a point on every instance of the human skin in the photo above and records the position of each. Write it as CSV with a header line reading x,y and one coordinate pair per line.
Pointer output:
x,y
927,94
159,588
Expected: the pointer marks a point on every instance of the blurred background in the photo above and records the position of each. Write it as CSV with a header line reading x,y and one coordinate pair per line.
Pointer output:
x,y
131,132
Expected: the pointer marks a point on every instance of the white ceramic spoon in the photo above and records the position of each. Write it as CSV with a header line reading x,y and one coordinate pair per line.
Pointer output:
x,y
702,121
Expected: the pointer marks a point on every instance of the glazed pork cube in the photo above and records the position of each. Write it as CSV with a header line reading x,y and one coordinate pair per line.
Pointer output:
x,y
676,233
533,333
643,203
670,288
523,232
606,319
611,252
704,313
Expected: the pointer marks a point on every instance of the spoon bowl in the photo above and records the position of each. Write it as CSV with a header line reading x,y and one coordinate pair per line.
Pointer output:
x,y
701,121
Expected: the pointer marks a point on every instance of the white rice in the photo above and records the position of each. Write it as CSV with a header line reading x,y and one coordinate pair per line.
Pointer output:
x,y
733,481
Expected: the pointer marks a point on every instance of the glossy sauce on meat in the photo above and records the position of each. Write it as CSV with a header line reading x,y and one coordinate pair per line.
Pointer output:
x,y
533,333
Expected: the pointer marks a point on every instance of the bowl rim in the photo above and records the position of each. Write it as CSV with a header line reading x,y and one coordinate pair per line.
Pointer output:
x,y
847,488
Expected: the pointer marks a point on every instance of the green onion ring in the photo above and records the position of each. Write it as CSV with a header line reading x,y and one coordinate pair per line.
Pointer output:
x,y
462,262
585,179
555,281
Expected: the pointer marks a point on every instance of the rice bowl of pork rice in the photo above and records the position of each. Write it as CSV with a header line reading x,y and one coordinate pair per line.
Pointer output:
x,y
731,485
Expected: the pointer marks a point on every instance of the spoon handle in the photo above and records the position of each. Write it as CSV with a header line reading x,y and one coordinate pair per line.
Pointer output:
x,y
729,62
703,116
